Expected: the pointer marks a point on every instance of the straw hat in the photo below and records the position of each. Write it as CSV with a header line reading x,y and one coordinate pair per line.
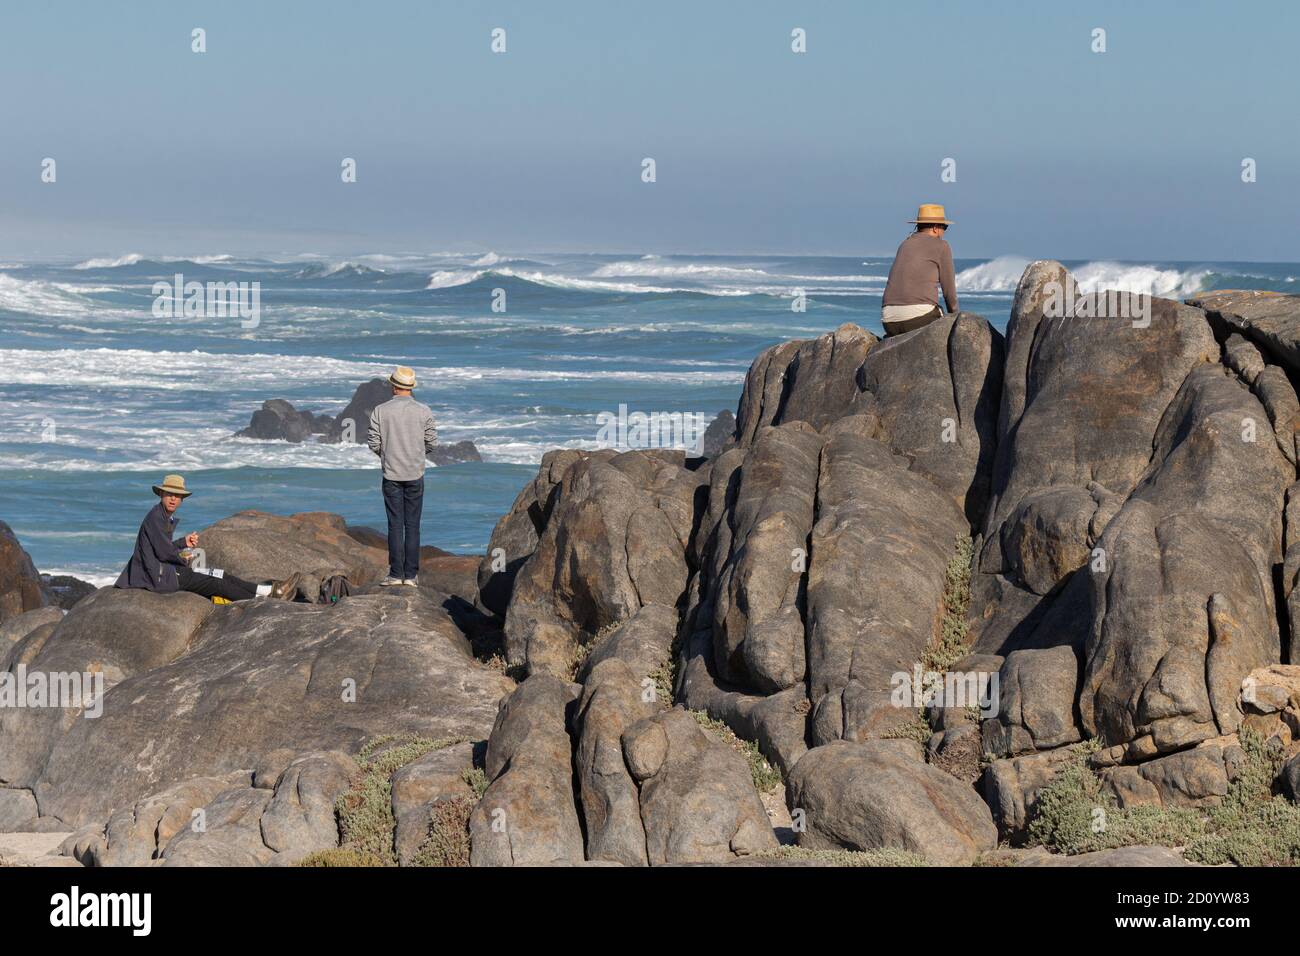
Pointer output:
x,y
402,377
930,214
172,485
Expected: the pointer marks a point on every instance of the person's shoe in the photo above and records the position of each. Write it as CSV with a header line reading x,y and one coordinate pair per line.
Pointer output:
x,y
390,582
411,582
287,589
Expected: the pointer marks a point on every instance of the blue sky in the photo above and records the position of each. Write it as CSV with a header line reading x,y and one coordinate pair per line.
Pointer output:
x,y
1061,152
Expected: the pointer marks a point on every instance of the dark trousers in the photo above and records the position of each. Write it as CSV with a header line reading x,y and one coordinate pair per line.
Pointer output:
x,y
911,325
404,502
227,586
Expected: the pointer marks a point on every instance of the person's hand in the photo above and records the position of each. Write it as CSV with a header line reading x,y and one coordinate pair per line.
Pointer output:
x,y
192,539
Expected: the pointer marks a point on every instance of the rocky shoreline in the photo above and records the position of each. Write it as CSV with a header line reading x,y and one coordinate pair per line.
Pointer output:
x,y
662,660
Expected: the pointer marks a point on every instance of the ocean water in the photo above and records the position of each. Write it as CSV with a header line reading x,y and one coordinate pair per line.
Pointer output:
x,y
100,396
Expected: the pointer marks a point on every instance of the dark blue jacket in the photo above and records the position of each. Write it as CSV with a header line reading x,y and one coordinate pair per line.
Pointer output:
x,y
157,557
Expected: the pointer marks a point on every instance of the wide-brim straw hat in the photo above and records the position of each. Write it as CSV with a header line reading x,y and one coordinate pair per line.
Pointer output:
x,y
930,214
402,377
172,485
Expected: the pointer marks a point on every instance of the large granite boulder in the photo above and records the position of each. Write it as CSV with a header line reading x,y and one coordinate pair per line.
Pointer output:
x,y
613,699
1185,607
528,815
114,634
417,788
697,796
517,532
1081,404
1037,689
882,523
616,541
1269,319
881,794
204,699
812,381
259,546
935,392
758,628
20,584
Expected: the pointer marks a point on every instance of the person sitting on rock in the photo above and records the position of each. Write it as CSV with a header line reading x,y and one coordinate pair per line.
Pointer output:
x,y
922,262
157,563
401,433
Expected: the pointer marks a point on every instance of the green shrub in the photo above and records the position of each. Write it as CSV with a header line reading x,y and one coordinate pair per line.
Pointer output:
x,y
365,810
448,841
340,856
881,857
766,777
1251,827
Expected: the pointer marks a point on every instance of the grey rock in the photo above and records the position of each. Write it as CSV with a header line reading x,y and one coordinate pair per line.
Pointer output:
x,y
454,453
1037,690
616,541
643,643
758,629
517,532
18,810
436,777
230,835
882,523
261,676
880,794
1011,788
1123,856
258,546
697,797
137,835
528,815
20,584
612,701
300,818
720,432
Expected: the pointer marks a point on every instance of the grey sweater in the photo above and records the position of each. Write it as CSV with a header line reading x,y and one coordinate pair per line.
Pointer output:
x,y
921,263
401,432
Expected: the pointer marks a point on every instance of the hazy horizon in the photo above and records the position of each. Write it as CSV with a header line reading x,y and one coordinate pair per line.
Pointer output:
x,y
1132,154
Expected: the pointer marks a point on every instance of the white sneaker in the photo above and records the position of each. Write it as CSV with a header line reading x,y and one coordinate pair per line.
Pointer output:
x,y
411,583
390,582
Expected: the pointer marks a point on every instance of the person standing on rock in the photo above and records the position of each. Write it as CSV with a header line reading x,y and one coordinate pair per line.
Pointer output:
x,y
158,565
922,263
401,433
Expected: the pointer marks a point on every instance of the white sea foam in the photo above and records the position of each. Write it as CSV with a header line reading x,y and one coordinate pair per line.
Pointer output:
x,y
132,258
1003,275
137,369
38,297
1148,280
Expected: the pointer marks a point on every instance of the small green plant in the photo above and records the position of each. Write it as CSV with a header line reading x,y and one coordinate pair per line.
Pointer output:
x,y
881,857
916,728
448,841
365,810
1251,827
663,678
766,777
477,781
340,856
951,645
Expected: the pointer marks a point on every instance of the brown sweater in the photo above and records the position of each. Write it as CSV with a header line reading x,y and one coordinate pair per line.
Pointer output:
x,y
922,262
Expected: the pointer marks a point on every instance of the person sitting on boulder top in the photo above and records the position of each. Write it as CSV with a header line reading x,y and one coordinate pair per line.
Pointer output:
x,y
157,563
402,433
922,262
